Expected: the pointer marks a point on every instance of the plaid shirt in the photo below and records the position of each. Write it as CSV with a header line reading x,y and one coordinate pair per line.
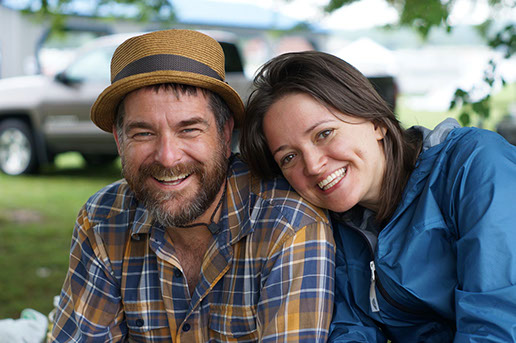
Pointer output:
x,y
268,275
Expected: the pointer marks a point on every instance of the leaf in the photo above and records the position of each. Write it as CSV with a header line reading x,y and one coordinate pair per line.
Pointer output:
x,y
464,119
482,107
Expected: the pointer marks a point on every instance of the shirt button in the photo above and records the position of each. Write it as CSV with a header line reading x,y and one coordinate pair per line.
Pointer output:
x,y
186,327
139,322
177,273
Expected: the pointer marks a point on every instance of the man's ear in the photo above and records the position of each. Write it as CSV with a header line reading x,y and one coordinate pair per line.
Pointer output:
x,y
228,134
117,140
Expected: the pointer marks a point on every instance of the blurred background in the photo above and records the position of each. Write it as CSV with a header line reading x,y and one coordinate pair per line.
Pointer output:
x,y
430,59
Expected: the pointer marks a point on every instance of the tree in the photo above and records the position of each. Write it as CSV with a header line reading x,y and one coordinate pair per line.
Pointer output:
x,y
423,15
420,15
138,10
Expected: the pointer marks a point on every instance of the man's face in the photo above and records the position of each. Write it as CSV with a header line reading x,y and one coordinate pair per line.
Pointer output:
x,y
173,156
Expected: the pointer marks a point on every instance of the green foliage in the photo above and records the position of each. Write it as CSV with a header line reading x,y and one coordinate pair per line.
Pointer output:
x,y
138,10
336,4
422,16
480,108
505,39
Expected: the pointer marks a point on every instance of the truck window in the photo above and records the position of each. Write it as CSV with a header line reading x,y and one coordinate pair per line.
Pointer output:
x,y
93,66
233,58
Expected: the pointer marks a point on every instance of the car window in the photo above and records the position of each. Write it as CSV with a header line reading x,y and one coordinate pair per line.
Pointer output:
x,y
233,59
92,66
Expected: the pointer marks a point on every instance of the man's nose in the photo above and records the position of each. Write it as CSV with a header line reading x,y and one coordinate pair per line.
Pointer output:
x,y
169,151
315,161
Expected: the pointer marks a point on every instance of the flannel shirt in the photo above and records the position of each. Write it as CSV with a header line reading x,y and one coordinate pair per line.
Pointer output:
x,y
268,275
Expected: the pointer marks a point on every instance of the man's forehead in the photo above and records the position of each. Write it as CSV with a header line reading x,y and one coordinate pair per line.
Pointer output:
x,y
178,106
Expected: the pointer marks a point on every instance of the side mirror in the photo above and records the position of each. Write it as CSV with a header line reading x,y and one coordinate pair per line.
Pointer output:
x,y
63,78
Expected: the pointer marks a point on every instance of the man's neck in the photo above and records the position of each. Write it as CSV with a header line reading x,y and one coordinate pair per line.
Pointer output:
x,y
185,236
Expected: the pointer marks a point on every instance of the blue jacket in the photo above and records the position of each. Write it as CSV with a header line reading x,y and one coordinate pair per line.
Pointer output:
x,y
444,268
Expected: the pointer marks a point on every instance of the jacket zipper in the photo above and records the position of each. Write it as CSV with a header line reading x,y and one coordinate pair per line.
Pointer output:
x,y
373,300
375,281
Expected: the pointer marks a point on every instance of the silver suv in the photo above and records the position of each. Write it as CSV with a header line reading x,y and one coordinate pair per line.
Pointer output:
x,y
42,116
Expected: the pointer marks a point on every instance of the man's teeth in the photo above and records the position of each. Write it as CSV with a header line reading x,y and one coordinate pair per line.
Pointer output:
x,y
173,179
332,179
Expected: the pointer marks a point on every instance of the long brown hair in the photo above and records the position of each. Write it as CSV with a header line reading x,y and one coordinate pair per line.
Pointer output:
x,y
336,84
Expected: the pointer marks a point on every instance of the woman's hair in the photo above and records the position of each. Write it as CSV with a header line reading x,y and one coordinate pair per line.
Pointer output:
x,y
335,84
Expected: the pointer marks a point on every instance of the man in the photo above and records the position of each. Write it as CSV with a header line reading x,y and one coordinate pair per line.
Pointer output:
x,y
189,247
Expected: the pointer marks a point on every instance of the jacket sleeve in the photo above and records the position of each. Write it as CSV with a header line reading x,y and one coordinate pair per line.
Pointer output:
x,y
296,299
484,187
89,307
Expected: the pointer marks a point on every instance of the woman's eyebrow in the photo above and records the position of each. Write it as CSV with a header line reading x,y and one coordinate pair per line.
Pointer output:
x,y
306,132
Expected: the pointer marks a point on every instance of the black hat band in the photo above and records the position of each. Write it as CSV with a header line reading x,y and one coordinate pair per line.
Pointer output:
x,y
160,62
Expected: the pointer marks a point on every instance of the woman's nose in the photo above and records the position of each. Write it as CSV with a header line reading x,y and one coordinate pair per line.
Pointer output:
x,y
315,161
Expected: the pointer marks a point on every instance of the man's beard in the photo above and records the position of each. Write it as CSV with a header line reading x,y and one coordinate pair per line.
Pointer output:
x,y
187,207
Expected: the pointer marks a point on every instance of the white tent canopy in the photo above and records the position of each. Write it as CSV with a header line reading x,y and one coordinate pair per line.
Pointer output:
x,y
371,58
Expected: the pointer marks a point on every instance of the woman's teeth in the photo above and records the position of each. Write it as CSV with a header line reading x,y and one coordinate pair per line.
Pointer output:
x,y
332,179
174,180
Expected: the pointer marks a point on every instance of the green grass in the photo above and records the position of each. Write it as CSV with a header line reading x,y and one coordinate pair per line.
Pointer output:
x,y
37,215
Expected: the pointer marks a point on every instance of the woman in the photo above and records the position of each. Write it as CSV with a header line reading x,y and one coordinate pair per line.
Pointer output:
x,y
423,220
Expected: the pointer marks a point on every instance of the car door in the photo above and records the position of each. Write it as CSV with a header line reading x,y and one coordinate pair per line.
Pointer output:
x,y
66,105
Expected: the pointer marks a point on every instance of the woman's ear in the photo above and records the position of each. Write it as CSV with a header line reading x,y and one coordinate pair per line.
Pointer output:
x,y
380,131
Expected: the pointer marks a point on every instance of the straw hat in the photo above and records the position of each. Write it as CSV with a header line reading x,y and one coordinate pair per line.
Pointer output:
x,y
170,56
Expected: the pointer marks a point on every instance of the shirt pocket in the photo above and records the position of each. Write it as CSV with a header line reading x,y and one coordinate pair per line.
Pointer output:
x,y
232,323
146,324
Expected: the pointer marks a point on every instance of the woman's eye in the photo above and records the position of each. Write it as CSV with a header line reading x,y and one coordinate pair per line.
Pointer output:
x,y
285,160
324,134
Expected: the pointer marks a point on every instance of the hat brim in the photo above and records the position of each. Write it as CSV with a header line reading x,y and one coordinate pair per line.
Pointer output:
x,y
104,109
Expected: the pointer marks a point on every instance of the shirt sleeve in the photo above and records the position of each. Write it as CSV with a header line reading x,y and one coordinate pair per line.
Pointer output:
x,y
89,307
296,300
484,188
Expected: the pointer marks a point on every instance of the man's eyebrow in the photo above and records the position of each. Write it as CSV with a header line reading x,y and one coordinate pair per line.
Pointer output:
x,y
137,125
192,121
184,123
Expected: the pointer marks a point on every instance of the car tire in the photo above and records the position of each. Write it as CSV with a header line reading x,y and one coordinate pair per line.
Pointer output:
x,y
17,148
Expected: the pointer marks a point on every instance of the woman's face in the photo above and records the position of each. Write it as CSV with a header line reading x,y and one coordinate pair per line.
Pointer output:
x,y
334,163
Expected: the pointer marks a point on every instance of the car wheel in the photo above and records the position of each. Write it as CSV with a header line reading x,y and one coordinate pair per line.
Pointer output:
x,y
17,149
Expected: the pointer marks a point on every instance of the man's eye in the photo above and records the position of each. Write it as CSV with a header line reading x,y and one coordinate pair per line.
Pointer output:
x,y
142,134
191,131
